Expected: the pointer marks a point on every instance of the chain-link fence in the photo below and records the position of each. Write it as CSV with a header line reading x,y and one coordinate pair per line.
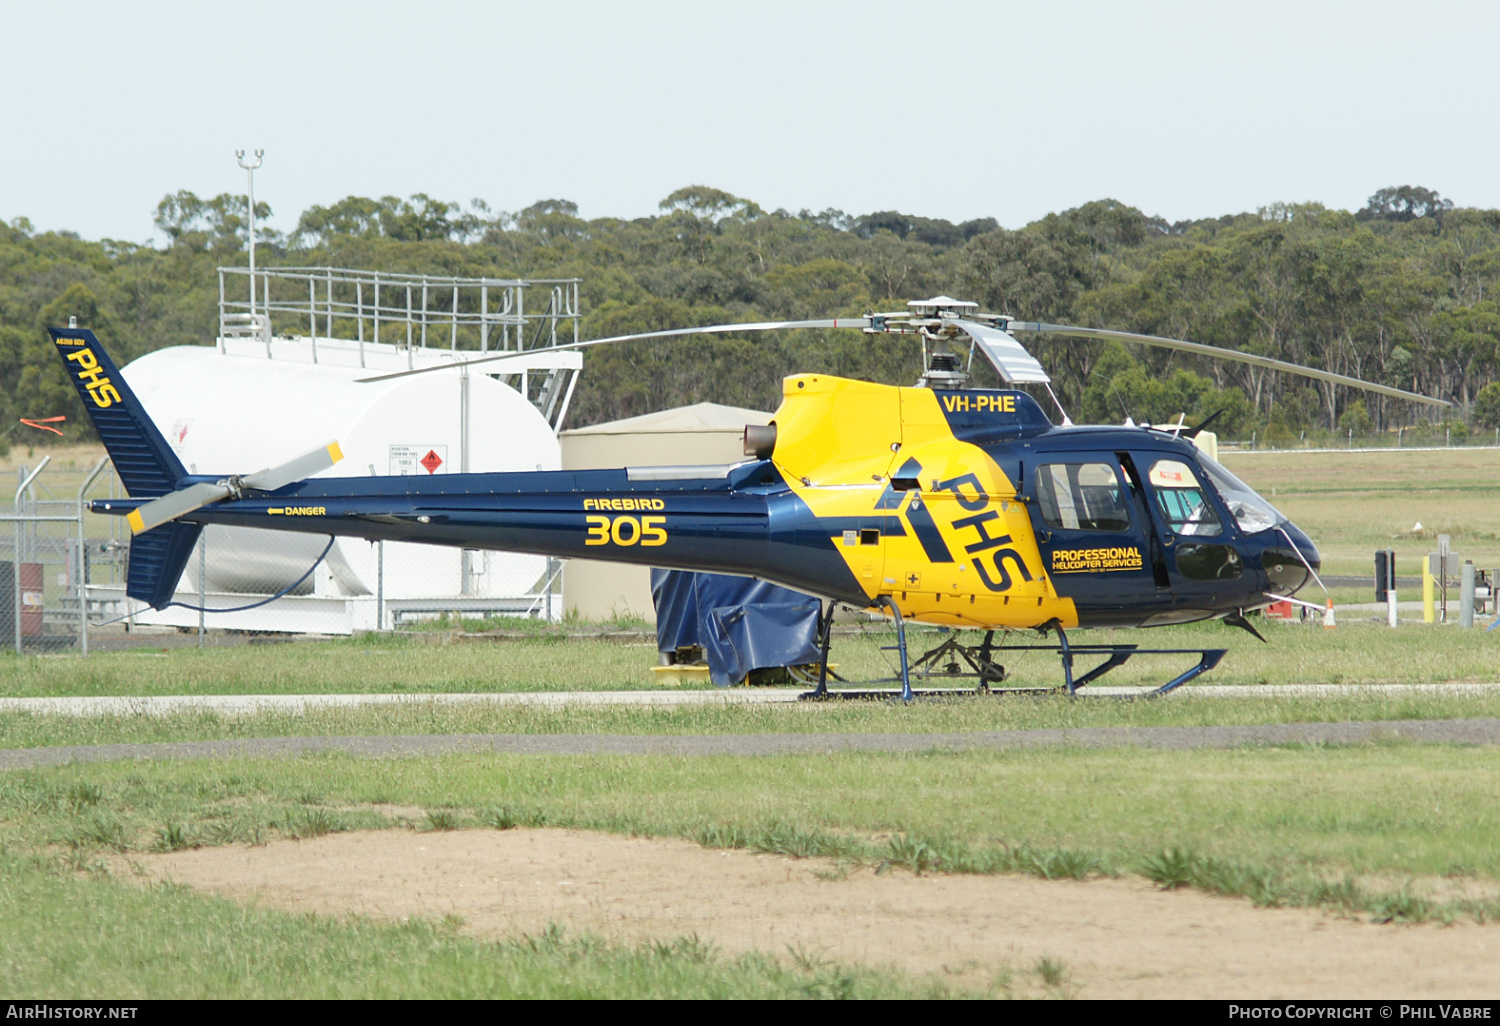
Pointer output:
x,y
246,579
49,555
56,560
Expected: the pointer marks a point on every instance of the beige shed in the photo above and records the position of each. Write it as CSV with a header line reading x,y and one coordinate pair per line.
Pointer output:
x,y
705,433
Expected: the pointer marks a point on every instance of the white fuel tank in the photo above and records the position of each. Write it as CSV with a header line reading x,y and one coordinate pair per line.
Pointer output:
x,y
229,413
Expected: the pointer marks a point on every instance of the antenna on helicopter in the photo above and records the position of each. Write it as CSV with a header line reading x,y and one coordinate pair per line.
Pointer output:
x,y
1193,432
1067,420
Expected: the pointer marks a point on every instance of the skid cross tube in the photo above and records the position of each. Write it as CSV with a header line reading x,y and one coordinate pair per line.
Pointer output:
x,y
1118,655
978,658
986,670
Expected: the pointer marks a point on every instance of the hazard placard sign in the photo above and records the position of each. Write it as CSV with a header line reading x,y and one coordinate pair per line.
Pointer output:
x,y
409,460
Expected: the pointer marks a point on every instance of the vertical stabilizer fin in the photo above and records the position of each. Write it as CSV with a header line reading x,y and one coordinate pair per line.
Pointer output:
x,y
146,464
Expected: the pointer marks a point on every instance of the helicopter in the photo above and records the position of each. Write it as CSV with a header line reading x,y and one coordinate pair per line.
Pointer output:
x,y
941,504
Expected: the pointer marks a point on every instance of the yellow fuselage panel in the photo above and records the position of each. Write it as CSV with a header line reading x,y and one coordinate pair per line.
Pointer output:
x,y
834,431
957,550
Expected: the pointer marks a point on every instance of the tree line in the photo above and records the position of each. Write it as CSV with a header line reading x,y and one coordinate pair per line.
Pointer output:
x,y
1402,292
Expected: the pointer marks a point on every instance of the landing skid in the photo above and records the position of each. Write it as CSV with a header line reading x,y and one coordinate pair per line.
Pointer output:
x,y
953,660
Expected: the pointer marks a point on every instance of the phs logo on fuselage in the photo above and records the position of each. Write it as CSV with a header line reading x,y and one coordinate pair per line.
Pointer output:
x,y
101,389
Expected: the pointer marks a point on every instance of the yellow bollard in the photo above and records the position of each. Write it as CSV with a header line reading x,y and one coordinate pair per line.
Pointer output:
x,y
1429,593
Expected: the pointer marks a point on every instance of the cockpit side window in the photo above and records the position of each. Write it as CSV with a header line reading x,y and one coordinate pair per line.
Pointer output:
x,y
1182,500
1081,497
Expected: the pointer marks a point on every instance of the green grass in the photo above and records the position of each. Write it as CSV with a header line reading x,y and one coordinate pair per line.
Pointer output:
x,y
1360,650
1389,811
368,663
28,730
1375,831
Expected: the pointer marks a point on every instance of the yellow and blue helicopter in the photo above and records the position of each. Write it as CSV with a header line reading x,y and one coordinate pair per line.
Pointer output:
x,y
961,507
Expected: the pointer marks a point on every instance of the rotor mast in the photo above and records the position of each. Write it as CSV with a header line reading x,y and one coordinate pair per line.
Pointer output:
x,y
936,321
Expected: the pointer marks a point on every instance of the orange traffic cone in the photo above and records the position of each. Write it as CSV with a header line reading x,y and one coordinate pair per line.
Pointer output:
x,y
1328,616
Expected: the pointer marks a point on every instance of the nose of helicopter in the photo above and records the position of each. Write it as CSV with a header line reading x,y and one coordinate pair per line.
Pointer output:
x,y
1287,567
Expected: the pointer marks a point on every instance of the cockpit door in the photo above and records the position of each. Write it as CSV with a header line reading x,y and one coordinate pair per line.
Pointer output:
x,y
1093,536
1200,544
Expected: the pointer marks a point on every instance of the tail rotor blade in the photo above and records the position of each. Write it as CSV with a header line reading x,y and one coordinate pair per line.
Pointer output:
x,y
174,505
185,500
319,459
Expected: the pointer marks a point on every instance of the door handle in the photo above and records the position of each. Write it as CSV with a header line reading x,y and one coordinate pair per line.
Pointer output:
x,y
1044,537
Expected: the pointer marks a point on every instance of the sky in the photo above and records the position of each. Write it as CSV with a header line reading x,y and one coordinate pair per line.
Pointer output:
x,y
942,109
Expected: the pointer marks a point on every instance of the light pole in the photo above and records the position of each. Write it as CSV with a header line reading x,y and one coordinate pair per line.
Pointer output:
x,y
239,155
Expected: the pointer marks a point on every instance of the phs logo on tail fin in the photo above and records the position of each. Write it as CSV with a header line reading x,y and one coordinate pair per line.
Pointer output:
x,y
101,390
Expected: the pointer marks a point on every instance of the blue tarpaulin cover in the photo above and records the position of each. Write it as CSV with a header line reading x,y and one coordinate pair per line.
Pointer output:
x,y
741,624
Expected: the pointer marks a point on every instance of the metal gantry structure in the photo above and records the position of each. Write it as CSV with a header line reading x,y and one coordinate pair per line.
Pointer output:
x,y
418,314
487,314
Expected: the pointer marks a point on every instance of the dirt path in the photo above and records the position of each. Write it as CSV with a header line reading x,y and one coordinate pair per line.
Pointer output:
x,y
1119,938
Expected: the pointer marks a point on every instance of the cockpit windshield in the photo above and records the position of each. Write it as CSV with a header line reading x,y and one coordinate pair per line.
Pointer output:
x,y
1252,512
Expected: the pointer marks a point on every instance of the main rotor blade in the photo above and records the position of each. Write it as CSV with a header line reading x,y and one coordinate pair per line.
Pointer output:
x,y
1224,354
303,466
1005,354
713,329
174,505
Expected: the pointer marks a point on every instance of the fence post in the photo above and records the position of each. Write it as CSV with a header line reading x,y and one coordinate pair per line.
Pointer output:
x,y
380,585
83,591
312,316
1445,548
26,480
83,558
16,579
202,588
